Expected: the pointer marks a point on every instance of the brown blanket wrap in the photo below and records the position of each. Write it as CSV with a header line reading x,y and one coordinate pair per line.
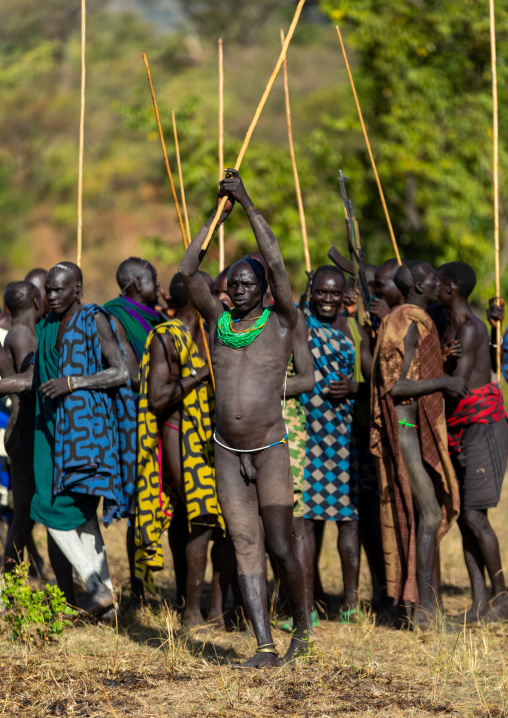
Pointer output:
x,y
397,513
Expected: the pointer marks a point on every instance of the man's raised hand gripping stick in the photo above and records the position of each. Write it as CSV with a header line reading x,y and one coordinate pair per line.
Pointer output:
x,y
233,190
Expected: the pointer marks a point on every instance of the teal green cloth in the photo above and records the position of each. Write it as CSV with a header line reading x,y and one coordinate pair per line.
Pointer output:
x,y
136,319
66,510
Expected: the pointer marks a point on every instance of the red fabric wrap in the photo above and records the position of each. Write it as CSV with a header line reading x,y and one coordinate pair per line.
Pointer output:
x,y
481,406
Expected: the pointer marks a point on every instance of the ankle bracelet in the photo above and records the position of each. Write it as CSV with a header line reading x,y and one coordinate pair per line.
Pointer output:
x,y
267,648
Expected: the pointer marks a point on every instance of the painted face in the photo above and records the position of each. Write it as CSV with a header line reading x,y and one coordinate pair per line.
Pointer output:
x,y
431,286
327,294
243,287
61,291
386,288
148,286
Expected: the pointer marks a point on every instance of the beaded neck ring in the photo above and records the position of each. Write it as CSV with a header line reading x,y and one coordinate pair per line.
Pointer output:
x,y
239,338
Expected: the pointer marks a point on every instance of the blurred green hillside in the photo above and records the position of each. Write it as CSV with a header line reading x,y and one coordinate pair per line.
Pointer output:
x,y
422,74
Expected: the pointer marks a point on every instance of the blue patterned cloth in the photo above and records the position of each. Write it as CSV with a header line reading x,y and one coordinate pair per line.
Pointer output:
x,y
331,478
5,476
95,431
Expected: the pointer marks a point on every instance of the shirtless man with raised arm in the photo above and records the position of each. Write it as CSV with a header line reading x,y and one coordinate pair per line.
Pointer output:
x,y
251,454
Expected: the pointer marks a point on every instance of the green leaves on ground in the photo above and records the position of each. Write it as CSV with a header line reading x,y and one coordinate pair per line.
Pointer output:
x,y
32,616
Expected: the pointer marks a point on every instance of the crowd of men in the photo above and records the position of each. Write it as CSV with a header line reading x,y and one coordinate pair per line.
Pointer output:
x,y
253,428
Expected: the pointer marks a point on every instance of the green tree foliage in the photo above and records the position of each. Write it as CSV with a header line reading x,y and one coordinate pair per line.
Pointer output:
x,y
422,71
423,76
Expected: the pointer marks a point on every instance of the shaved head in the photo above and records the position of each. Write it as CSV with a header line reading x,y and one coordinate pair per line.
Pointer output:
x,y
19,296
128,270
72,271
38,277
63,285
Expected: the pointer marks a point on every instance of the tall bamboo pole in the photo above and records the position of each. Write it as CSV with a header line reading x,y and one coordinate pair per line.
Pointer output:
x,y
177,206
186,244
256,117
364,129
496,176
81,135
161,136
293,163
222,259
180,177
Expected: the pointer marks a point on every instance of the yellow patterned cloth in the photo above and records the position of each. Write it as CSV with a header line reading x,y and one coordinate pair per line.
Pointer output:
x,y
153,502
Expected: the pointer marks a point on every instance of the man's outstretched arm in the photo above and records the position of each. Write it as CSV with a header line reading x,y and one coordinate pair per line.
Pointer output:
x,y
268,246
411,388
196,286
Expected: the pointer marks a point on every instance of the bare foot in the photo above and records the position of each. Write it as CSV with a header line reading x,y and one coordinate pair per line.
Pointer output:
x,y
191,620
110,617
259,660
217,623
98,602
498,612
421,618
477,611
297,647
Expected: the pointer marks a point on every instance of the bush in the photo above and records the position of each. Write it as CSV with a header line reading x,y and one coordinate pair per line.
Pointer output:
x,y
32,616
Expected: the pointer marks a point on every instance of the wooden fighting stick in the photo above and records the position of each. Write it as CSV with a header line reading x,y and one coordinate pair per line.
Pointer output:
x,y
180,177
293,163
222,259
496,178
81,135
257,114
175,198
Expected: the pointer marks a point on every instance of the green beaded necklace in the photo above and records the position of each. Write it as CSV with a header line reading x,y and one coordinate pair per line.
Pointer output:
x,y
236,339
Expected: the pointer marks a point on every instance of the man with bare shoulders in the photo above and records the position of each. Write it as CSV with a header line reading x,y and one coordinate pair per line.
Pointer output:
x,y
24,303
408,438
84,445
478,441
250,353
176,413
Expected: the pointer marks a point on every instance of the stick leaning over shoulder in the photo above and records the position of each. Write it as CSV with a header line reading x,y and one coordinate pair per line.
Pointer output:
x,y
257,114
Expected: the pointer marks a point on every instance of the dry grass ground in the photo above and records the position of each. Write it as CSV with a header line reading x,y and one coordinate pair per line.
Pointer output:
x,y
146,669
